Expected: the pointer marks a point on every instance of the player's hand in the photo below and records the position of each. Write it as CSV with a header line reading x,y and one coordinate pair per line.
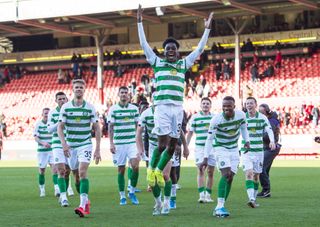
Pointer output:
x,y
272,146
112,149
246,147
46,145
66,150
97,156
186,152
139,13
207,22
204,163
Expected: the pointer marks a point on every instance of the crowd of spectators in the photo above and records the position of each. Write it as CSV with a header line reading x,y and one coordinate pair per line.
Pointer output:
x,y
9,73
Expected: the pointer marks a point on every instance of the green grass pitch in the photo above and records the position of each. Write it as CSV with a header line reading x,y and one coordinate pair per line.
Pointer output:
x,y
294,201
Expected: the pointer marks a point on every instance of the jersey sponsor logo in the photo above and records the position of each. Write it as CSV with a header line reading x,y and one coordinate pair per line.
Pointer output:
x,y
253,130
126,119
78,119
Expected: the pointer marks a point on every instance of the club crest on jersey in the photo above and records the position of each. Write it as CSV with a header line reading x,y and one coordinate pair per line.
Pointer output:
x,y
173,72
85,114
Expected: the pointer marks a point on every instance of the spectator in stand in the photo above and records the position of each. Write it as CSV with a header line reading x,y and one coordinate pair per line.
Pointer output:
x,y
6,74
226,69
218,68
249,45
214,48
117,54
61,77
80,62
145,81
220,49
195,69
133,87
278,59
199,89
206,90
75,65
192,84
277,45
203,80
119,70
254,73
256,57
315,115
287,116
18,72
269,72
139,96
244,47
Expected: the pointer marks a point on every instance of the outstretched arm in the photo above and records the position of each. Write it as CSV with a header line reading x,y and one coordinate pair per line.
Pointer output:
x,y
151,56
191,58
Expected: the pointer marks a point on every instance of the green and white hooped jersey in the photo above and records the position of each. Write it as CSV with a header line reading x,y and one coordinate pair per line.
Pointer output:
x,y
124,120
41,131
227,131
257,125
53,119
78,121
170,79
199,124
147,119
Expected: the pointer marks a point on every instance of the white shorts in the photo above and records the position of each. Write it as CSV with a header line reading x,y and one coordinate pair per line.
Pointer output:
x,y
252,160
44,158
175,160
227,158
168,120
59,157
124,152
80,154
199,156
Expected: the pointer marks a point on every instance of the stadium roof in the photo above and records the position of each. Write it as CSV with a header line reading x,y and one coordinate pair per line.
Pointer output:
x,y
89,24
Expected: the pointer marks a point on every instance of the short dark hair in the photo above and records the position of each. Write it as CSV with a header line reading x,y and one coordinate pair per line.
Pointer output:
x,y
46,108
229,98
60,93
170,40
266,107
252,98
123,88
206,99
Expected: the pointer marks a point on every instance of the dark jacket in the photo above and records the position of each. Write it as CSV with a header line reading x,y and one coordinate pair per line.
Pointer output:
x,y
275,125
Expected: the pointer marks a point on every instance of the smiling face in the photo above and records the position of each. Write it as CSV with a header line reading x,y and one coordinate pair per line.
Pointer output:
x,y
171,52
45,113
228,108
251,105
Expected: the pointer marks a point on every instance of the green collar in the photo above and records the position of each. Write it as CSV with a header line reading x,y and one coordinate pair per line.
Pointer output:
x,y
225,117
256,115
123,106
83,104
58,109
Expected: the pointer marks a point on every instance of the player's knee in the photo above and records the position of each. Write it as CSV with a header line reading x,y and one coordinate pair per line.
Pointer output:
x,y
83,174
162,147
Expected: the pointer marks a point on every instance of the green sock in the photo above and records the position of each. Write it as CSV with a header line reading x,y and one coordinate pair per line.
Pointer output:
x,y
222,187
164,159
155,158
41,179
228,188
201,189
121,182
77,187
84,186
129,172
167,188
55,179
156,191
256,186
67,183
134,178
209,190
249,184
173,198
62,184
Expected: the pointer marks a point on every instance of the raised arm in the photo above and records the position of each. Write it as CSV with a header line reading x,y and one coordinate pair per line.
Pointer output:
x,y
150,55
191,58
